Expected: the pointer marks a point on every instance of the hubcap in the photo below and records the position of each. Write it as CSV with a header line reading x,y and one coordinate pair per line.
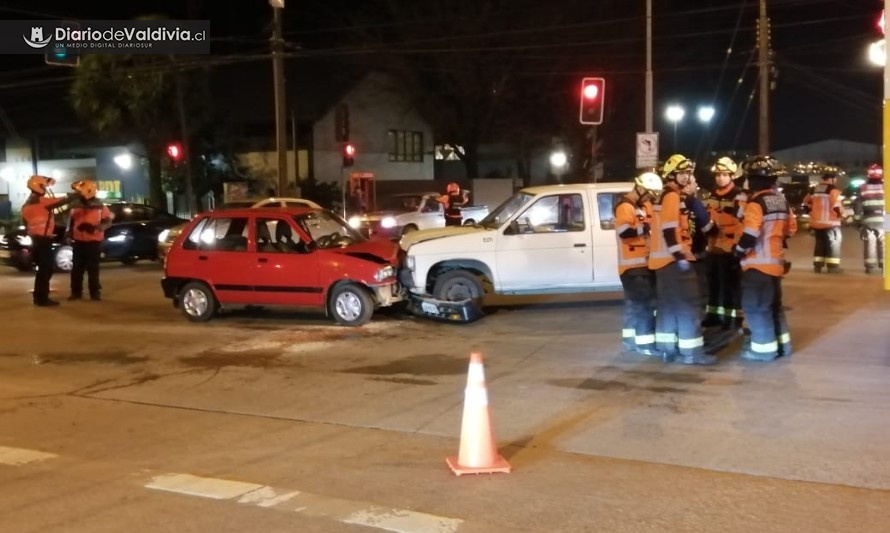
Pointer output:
x,y
194,302
65,259
459,291
348,306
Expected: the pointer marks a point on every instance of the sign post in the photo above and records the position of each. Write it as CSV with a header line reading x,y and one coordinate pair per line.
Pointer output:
x,y
647,150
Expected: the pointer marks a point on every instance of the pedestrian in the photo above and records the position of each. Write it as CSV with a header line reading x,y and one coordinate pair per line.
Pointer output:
x,y
869,206
453,199
768,222
826,212
678,331
726,205
633,215
37,213
87,222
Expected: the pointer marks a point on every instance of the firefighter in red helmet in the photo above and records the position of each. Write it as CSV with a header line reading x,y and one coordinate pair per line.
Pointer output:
x,y
869,207
454,199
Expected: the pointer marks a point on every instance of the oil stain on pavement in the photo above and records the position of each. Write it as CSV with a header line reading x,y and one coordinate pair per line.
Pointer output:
x,y
116,357
416,365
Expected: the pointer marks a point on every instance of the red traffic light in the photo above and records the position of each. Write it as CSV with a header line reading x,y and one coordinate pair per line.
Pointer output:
x,y
349,149
174,150
348,155
593,94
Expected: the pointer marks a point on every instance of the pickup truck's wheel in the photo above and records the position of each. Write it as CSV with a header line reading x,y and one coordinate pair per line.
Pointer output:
x,y
457,286
351,305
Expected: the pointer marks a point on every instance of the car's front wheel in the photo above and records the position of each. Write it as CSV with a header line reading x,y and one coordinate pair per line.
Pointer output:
x,y
64,259
197,302
351,305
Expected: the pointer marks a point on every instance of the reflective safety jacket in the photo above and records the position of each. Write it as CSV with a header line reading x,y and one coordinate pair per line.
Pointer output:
x,y
670,239
768,222
38,214
632,223
871,204
825,206
93,213
727,207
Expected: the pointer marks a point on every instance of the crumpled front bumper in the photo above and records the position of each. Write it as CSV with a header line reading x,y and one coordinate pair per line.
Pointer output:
x,y
464,312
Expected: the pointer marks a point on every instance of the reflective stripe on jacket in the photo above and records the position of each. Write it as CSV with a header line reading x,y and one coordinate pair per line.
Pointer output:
x,y
769,221
633,252
666,215
726,205
871,200
824,203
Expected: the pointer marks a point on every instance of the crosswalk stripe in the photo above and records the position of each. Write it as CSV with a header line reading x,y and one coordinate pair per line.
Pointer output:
x,y
21,456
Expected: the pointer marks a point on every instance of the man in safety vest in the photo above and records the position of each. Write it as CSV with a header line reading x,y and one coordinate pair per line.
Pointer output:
x,y
678,330
37,212
633,214
826,211
870,208
453,199
768,221
727,207
88,221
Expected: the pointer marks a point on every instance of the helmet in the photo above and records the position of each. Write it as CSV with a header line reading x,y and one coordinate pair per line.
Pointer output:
x,y
452,188
38,184
762,166
875,173
830,172
86,188
649,181
676,163
725,164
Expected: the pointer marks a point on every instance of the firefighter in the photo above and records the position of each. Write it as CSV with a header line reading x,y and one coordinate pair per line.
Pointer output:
x,y
726,205
37,213
453,199
700,227
870,208
87,223
768,222
633,214
678,331
826,212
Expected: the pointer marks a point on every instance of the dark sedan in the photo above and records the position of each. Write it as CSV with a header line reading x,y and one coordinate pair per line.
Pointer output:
x,y
133,235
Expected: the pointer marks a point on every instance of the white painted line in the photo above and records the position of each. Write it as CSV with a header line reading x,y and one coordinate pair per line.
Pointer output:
x,y
21,456
345,511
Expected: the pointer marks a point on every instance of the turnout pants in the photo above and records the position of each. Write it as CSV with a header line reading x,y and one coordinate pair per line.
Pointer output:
x,y
678,327
827,250
42,250
724,291
639,308
872,247
86,259
762,303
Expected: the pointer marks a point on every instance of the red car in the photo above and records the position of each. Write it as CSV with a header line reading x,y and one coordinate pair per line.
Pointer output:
x,y
290,256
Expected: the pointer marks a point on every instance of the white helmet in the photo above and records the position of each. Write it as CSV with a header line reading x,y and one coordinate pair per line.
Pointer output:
x,y
649,181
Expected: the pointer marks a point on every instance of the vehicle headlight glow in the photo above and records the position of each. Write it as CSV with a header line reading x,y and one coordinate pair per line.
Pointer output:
x,y
24,240
162,236
388,222
385,273
121,237
355,222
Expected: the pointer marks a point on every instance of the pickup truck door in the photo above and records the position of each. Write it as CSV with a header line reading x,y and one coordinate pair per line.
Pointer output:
x,y
605,243
548,244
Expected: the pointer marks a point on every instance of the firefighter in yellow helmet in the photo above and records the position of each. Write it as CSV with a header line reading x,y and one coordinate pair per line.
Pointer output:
x,y
633,215
726,205
768,222
453,199
87,223
678,329
40,224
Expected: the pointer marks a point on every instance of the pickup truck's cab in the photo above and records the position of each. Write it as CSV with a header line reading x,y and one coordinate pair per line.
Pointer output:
x,y
407,212
548,239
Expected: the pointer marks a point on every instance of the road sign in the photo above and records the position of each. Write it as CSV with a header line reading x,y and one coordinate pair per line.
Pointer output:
x,y
647,150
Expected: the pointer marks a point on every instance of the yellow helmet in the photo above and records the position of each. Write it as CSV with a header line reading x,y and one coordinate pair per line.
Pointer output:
x,y
38,184
86,188
649,181
676,163
725,164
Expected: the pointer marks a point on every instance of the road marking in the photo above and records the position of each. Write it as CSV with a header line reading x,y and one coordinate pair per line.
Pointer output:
x,y
21,456
315,505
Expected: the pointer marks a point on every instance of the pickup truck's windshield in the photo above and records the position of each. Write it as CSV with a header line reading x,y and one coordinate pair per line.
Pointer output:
x,y
506,210
401,202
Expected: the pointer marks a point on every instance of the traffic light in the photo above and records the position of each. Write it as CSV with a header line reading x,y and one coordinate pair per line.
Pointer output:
x,y
174,152
348,155
58,54
593,94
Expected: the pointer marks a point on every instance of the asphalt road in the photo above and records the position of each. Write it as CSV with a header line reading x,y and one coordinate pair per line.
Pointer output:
x,y
120,415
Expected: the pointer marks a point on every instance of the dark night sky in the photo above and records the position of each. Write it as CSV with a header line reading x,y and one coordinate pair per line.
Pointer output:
x,y
824,89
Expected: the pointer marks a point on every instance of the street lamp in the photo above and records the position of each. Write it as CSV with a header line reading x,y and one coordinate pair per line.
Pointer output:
x,y
674,113
705,114
558,162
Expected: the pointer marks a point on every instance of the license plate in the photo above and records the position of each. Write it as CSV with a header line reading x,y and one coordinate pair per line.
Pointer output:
x,y
427,307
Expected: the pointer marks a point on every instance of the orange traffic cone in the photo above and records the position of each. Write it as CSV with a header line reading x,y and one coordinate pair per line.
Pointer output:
x,y
478,453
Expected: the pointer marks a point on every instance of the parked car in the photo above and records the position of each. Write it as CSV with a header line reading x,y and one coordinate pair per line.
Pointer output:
x,y
133,235
407,212
300,257
166,237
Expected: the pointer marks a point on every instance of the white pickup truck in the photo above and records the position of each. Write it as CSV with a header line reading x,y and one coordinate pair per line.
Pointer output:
x,y
403,213
548,239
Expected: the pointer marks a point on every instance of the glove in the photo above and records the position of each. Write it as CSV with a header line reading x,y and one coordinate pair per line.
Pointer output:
x,y
684,265
86,227
737,252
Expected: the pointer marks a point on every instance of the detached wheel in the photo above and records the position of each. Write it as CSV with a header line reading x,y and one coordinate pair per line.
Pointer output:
x,y
197,302
64,259
458,285
351,305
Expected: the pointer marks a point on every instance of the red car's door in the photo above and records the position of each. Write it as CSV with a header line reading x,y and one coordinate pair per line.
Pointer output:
x,y
216,252
285,271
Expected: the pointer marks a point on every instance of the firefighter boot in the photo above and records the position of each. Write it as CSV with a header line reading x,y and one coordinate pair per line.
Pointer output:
x,y
697,358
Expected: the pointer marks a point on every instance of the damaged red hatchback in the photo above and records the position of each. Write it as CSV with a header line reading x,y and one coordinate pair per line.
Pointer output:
x,y
292,256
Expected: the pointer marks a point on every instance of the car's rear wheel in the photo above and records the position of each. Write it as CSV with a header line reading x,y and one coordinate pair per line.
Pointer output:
x,y
64,259
197,302
410,228
351,305
457,286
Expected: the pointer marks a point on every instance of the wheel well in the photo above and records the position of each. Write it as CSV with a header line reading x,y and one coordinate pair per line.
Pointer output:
x,y
477,267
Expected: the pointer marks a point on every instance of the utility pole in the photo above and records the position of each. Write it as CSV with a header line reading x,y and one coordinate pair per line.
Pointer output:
x,y
648,66
280,103
764,75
